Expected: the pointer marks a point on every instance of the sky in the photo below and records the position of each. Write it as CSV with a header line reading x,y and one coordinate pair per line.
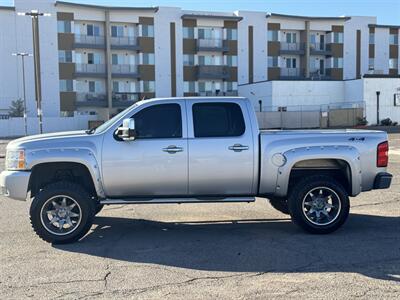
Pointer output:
x,y
387,11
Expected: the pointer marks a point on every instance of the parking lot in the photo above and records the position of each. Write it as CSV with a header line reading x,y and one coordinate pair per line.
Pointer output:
x,y
203,251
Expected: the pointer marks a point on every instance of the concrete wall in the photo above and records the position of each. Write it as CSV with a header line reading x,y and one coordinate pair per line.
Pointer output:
x,y
15,126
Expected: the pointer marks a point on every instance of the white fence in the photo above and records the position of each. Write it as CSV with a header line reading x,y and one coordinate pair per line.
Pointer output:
x,y
15,126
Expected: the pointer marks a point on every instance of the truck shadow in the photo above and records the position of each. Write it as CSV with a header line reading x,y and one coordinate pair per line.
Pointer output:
x,y
368,245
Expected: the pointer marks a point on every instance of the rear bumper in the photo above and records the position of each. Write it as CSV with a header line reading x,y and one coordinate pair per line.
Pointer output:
x,y
382,181
14,184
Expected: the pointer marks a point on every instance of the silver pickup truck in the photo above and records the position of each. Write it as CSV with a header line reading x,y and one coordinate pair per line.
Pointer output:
x,y
191,150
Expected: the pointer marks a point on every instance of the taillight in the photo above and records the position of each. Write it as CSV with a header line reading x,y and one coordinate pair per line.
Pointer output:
x,y
382,156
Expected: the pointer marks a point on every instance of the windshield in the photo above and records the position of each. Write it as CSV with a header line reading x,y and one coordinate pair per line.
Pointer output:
x,y
107,124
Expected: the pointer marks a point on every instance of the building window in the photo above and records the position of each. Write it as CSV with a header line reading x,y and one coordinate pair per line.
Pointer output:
x,y
210,60
205,86
291,37
64,26
188,32
231,60
393,63
66,85
148,86
273,35
371,64
115,86
231,34
337,62
188,60
64,56
92,86
117,31
273,62
291,63
93,30
231,86
338,37
372,38
114,59
189,86
93,58
148,30
393,39
148,58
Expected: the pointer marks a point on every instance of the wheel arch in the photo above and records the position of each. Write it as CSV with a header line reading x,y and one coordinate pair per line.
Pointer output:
x,y
342,163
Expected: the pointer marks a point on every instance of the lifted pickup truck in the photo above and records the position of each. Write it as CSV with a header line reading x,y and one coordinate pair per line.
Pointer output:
x,y
191,150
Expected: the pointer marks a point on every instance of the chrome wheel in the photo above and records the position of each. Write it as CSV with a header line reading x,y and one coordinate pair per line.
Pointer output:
x,y
61,215
321,206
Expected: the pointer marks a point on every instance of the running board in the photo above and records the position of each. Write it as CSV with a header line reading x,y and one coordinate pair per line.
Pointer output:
x,y
177,200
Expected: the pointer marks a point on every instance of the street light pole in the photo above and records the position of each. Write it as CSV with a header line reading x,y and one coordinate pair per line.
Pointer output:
x,y
23,55
34,14
377,106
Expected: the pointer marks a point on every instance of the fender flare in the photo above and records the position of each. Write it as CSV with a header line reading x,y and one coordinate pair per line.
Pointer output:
x,y
81,156
346,153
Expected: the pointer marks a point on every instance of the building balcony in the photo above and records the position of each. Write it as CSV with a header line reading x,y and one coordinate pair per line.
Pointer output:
x,y
91,99
319,49
292,48
124,71
90,70
212,72
125,43
212,45
217,93
318,74
291,73
125,99
89,41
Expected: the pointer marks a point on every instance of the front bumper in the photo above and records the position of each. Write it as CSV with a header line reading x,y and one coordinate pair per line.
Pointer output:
x,y
14,184
382,181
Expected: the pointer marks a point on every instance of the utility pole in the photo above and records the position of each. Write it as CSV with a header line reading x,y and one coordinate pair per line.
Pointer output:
x,y
23,55
35,14
377,107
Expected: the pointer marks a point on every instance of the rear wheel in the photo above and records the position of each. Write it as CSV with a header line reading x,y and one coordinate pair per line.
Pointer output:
x,y
319,204
62,212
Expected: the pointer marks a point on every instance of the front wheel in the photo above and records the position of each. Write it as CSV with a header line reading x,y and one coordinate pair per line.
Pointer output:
x,y
62,212
319,204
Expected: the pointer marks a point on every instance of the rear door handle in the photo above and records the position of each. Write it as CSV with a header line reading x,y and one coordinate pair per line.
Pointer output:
x,y
172,149
238,148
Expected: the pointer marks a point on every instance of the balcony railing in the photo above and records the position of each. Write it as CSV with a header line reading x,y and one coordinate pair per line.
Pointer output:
x,y
216,94
124,42
124,99
291,73
212,72
319,48
89,41
292,47
124,70
98,70
91,99
211,45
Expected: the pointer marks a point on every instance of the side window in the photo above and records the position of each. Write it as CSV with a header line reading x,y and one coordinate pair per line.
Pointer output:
x,y
217,120
159,121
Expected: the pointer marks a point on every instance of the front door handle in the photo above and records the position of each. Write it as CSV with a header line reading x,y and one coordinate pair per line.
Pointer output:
x,y
238,148
172,149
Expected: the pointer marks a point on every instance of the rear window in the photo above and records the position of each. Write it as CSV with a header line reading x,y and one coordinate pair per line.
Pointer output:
x,y
218,120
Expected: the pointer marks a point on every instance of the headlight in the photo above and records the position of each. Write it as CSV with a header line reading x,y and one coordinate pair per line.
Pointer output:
x,y
15,160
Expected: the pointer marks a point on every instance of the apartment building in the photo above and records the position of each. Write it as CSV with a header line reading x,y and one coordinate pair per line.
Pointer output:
x,y
99,60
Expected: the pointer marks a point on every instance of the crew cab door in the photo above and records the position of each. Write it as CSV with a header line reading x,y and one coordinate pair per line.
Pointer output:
x,y
156,162
221,148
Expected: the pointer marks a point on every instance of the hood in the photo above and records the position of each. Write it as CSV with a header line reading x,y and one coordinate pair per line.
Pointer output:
x,y
47,140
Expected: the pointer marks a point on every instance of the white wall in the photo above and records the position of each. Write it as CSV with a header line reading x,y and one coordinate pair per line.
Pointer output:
x,y
388,87
10,69
259,22
350,45
162,20
382,50
15,126
48,54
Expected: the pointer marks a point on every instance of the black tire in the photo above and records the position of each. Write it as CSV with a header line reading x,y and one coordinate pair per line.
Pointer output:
x,y
314,184
82,201
280,205
99,207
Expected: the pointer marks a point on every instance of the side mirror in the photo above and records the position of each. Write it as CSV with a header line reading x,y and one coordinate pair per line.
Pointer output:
x,y
127,132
